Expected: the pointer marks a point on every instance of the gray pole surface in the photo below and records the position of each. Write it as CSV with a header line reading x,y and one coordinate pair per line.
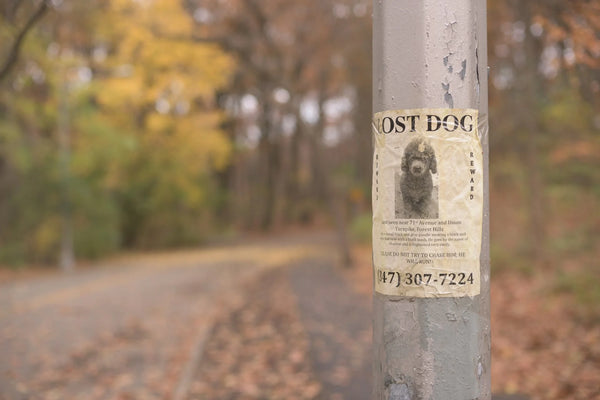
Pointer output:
x,y
432,54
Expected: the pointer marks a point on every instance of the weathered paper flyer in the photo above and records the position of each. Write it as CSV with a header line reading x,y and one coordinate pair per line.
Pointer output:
x,y
427,202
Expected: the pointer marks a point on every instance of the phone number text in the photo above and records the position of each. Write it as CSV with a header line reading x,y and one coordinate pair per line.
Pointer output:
x,y
397,279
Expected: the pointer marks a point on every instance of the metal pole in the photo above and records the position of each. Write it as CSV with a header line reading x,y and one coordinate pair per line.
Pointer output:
x,y
431,339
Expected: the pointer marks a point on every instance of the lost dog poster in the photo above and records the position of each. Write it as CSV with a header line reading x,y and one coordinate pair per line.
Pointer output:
x,y
427,202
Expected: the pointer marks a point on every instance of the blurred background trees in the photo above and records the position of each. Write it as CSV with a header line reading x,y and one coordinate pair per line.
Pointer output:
x,y
545,98
152,123
545,121
109,130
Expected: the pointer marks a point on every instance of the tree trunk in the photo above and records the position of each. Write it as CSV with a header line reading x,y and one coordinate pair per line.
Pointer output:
x,y
334,199
532,87
67,253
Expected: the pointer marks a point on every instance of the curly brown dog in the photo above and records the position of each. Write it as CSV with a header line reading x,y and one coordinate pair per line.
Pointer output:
x,y
416,184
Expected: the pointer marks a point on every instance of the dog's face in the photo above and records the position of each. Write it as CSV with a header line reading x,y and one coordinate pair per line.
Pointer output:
x,y
419,158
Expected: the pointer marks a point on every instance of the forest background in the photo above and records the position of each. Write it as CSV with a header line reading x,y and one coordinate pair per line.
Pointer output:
x,y
146,124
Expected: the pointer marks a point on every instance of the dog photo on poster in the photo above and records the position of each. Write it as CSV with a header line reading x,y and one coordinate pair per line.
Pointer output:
x,y
427,202
416,193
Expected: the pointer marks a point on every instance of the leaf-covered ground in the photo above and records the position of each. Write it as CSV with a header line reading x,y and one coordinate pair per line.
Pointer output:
x,y
259,350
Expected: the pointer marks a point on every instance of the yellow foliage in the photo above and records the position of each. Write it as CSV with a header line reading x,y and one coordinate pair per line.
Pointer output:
x,y
191,144
153,54
158,124
159,76
120,93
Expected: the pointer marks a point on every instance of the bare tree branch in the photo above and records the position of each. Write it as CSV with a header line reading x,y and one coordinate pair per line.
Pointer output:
x,y
13,54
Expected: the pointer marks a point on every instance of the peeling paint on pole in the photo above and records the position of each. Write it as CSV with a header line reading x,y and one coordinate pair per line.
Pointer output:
x,y
431,55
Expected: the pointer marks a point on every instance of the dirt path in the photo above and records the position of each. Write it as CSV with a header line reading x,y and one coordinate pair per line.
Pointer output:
x,y
128,330
338,323
299,332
